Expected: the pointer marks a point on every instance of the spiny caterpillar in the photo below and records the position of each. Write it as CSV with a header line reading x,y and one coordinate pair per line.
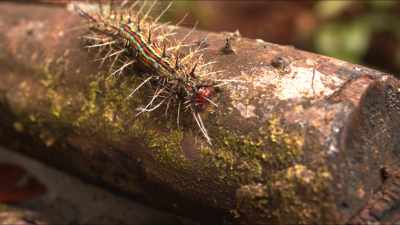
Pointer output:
x,y
135,40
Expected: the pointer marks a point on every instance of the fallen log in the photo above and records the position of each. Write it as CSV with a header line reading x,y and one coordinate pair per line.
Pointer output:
x,y
303,138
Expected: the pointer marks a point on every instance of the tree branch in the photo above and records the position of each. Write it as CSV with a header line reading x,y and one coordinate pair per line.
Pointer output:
x,y
299,138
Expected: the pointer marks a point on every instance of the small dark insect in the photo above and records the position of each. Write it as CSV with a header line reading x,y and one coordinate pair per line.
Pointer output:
x,y
227,49
281,63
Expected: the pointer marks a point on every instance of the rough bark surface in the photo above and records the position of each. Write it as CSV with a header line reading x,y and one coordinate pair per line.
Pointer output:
x,y
303,138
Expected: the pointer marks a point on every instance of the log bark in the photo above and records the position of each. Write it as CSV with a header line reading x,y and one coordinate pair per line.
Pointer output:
x,y
303,138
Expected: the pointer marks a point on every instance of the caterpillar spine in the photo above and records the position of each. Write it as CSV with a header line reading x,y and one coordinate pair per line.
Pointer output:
x,y
181,80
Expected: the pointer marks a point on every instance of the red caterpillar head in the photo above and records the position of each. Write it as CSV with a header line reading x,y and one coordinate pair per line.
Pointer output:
x,y
202,97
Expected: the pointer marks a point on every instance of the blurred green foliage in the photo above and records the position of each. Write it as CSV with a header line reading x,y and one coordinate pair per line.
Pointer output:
x,y
345,41
349,37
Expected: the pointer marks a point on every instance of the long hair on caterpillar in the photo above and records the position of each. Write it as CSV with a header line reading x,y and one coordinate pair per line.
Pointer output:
x,y
132,38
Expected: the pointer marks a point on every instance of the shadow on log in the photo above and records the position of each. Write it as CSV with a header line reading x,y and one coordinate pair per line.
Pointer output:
x,y
303,138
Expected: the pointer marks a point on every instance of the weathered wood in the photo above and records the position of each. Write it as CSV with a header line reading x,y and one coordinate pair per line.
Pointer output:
x,y
302,138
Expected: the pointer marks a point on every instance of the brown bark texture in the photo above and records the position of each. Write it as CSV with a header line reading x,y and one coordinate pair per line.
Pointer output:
x,y
298,138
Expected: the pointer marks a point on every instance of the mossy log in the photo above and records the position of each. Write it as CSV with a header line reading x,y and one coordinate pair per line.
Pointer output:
x,y
303,138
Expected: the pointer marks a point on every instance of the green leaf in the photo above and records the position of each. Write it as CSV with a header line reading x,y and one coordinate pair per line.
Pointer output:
x,y
329,9
343,40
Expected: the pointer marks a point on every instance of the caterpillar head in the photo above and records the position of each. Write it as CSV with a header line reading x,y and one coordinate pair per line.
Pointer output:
x,y
202,97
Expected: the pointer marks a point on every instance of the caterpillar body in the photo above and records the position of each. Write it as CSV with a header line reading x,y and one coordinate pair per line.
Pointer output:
x,y
180,80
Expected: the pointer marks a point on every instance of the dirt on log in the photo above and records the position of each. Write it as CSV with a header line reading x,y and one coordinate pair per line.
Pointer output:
x,y
302,138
